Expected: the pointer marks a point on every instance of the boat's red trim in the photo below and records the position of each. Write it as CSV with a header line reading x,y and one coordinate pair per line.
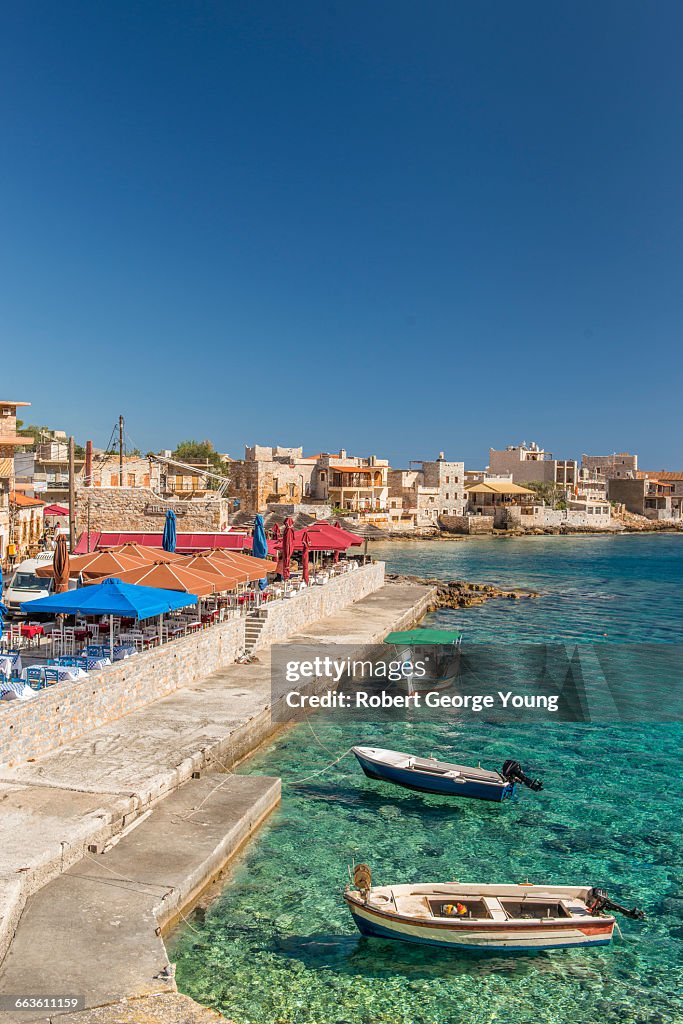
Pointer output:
x,y
597,926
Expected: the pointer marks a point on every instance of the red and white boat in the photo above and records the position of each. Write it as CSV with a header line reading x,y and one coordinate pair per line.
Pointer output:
x,y
484,917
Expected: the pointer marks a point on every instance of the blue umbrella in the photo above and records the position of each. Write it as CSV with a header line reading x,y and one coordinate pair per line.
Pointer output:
x,y
3,612
169,538
112,597
259,546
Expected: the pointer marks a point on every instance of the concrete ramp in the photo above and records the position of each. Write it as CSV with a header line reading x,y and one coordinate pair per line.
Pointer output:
x,y
95,930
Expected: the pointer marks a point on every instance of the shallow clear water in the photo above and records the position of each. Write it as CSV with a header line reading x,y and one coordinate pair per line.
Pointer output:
x,y
279,945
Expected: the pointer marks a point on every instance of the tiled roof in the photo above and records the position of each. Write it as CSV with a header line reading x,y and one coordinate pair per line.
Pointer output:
x,y
664,474
21,501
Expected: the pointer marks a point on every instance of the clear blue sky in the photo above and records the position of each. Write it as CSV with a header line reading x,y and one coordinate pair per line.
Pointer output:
x,y
393,227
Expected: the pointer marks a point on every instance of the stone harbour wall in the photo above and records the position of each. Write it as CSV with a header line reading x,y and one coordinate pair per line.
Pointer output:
x,y
30,729
292,615
70,709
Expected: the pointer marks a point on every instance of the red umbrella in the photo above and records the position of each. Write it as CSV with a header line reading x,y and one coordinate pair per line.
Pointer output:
x,y
305,547
287,547
60,566
275,531
338,530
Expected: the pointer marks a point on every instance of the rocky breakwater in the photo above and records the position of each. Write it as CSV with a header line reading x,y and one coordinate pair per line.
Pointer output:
x,y
461,593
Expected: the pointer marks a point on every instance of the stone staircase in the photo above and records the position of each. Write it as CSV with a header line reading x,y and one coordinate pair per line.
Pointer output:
x,y
253,625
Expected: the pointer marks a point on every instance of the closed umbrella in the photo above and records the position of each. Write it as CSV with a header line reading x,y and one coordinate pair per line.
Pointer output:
x,y
305,548
169,539
275,531
287,547
259,546
60,566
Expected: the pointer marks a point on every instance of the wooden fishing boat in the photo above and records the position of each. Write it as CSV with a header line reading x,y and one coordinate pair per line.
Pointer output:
x,y
484,917
427,775
438,670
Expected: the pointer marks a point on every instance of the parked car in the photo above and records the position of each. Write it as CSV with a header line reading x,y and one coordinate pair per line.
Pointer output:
x,y
26,586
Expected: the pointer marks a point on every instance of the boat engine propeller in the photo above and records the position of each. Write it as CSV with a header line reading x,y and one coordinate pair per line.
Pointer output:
x,y
598,902
512,771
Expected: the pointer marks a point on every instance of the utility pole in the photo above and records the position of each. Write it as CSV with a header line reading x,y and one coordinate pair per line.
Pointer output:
x,y
72,494
120,451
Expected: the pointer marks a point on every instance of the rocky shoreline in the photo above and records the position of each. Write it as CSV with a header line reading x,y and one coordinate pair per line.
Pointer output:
x,y
630,525
461,593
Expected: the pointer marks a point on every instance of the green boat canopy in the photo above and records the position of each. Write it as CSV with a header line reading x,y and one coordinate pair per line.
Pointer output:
x,y
424,636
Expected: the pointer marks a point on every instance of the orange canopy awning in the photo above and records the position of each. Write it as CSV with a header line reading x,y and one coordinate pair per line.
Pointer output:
x,y
147,555
217,567
98,563
255,568
171,576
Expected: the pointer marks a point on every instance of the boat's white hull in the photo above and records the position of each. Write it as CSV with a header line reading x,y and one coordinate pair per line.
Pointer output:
x,y
470,934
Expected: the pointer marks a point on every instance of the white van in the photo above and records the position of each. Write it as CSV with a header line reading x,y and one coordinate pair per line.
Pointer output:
x,y
26,586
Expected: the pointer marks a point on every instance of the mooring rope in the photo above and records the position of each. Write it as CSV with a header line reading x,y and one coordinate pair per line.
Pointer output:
x,y
322,771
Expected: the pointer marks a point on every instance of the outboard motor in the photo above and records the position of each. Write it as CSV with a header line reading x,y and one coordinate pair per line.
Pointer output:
x,y
598,902
512,771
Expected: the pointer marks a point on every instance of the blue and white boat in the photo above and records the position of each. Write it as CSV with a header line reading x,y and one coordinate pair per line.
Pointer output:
x,y
427,775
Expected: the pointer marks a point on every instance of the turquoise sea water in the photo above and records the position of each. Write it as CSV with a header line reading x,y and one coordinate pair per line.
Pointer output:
x,y
278,945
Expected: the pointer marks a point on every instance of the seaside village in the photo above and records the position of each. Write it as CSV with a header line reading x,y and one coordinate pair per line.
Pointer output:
x,y
144,596
229,537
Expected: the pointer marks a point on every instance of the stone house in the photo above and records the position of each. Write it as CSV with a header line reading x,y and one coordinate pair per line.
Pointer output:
x,y
106,472
620,465
674,482
279,475
527,463
420,497
271,475
493,498
26,523
646,495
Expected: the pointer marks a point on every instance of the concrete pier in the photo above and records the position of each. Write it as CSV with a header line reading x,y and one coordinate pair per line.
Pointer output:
x,y
95,930
96,786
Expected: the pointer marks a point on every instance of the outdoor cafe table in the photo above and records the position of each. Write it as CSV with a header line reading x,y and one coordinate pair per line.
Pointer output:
x,y
64,673
101,651
31,631
8,662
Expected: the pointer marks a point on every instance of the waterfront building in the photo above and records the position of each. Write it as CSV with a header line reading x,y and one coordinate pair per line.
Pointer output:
x,y
495,498
270,474
421,496
619,465
674,481
353,483
278,475
527,463
647,495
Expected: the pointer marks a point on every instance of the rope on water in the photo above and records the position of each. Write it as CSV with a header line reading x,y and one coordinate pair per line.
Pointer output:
x,y
299,782
317,738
